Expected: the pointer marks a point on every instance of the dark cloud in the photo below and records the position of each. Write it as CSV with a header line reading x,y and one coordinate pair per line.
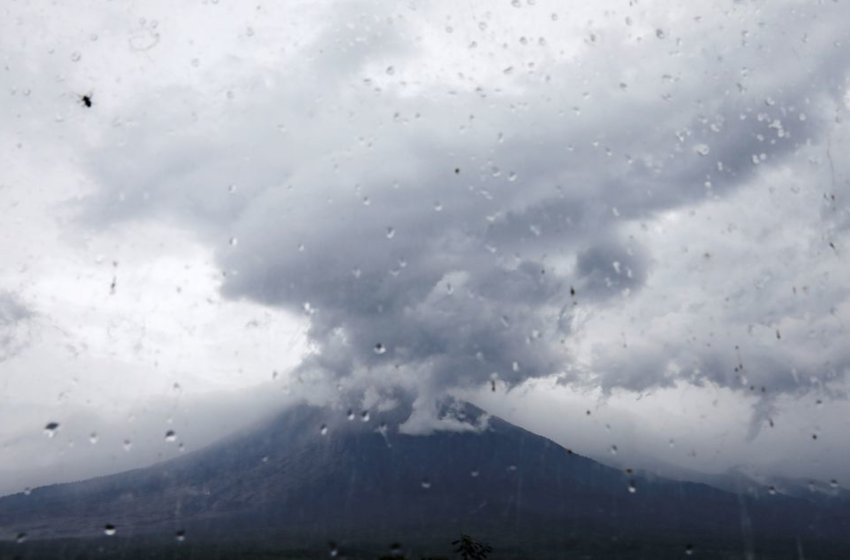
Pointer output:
x,y
435,240
14,316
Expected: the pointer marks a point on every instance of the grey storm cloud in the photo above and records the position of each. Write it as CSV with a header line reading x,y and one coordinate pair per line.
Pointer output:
x,y
445,239
13,321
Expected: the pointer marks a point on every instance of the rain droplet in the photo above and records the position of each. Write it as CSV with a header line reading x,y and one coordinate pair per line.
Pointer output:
x,y
689,549
660,33
390,233
50,429
632,487
170,436
772,490
390,70
21,537
128,445
351,415
613,450
438,207
364,416
833,483
93,438
380,349
426,484
76,56
231,189
109,530
702,149
323,430
180,536
474,474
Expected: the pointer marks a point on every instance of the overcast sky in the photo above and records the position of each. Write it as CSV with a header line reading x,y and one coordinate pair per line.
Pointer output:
x,y
615,224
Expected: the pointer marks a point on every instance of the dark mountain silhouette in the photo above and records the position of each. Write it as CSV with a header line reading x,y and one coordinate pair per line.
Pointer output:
x,y
363,481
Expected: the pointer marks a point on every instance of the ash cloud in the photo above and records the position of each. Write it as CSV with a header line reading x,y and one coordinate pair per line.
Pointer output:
x,y
445,239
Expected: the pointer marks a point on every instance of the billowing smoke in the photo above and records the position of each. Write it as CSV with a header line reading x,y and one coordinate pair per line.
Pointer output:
x,y
444,232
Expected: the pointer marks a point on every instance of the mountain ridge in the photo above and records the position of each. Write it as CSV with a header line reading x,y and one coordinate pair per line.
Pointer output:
x,y
313,474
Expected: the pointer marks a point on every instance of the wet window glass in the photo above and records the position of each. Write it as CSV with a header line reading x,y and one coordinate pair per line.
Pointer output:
x,y
514,279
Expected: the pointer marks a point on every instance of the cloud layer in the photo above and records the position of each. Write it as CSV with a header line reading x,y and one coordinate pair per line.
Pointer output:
x,y
623,198
444,235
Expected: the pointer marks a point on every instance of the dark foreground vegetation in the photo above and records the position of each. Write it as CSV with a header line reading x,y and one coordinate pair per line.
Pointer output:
x,y
118,548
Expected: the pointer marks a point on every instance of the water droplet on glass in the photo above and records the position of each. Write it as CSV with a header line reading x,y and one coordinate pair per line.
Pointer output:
x,y
323,429
632,487
438,207
180,536
351,415
702,149
833,483
50,429
109,530
233,242
93,438
390,233
426,484
380,349
128,445
231,189
772,490
195,62
20,537
364,416
390,70
76,56
613,450
474,474
689,549
27,491
170,436
660,33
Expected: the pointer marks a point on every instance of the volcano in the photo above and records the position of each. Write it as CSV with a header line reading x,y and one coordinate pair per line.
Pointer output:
x,y
313,476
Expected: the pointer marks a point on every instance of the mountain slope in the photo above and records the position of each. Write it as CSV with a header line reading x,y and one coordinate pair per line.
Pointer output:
x,y
363,480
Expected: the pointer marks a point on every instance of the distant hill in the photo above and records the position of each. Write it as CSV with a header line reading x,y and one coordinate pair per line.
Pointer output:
x,y
313,475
